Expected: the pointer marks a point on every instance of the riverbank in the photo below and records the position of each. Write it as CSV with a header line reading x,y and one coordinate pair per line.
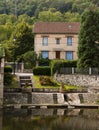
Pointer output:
x,y
51,100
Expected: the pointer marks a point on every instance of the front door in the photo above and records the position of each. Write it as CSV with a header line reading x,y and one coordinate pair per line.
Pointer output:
x,y
57,54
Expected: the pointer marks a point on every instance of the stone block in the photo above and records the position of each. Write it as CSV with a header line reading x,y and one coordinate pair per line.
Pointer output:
x,y
42,98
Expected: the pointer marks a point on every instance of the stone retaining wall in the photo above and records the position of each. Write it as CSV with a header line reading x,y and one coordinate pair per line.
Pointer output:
x,y
51,98
32,98
79,80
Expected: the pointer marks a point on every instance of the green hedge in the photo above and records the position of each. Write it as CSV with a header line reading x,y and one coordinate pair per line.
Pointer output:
x,y
7,69
57,64
42,70
44,62
8,77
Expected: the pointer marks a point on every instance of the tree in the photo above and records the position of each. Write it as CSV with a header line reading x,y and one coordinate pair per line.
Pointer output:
x,y
23,39
71,17
50,16
30,59
88,47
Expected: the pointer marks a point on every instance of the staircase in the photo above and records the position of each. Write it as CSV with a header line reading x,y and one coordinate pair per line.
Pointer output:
x,y
25,81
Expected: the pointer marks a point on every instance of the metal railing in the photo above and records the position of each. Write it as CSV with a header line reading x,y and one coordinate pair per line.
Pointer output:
x,y
72,70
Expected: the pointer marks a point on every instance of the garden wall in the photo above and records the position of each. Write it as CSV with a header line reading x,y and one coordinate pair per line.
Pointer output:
x,y
87,81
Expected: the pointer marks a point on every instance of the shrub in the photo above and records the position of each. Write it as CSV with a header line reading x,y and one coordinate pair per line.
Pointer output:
x,y
46,81
8,77
42,70
7,69
57,64
44,62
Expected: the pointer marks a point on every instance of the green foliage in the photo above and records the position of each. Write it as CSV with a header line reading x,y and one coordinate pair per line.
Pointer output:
x,y
50,16
7,75
47,81
44,84
34,7
31,11
44,62
88,48
29,58
72,17
57,64
7,69
23,39
42,70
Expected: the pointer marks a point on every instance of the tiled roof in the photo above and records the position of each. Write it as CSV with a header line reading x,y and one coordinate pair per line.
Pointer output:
x,y
56,27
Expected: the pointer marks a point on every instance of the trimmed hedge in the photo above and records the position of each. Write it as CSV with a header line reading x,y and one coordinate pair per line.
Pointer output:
x,y
8,77
42,70
57,64
44,62
7,69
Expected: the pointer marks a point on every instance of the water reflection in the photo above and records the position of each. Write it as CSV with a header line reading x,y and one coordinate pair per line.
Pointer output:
x,y
51,119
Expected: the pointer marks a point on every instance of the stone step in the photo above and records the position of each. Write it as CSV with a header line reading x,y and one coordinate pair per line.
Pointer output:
x,y
24,84
25,77
25,80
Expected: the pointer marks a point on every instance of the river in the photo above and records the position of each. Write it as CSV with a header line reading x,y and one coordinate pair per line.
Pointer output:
x,y
49,119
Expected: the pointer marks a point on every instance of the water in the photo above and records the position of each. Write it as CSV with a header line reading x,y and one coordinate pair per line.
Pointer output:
x,y
50,119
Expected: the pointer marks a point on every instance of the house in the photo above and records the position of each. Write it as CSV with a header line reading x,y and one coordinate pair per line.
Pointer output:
x,y
56,40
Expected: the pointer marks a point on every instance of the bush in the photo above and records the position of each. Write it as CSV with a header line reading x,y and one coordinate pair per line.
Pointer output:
x,y
57,64
8,77
44,62
42,70
46,81
7,69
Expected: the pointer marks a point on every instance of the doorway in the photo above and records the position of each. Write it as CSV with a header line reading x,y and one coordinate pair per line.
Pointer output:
x,y
57,54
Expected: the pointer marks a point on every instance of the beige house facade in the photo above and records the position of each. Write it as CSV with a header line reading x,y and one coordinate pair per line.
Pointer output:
x,y
56,40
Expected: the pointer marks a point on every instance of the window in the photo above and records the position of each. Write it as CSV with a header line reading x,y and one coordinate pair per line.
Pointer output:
x,y
69,40
57,40
45,54
69,55
45,40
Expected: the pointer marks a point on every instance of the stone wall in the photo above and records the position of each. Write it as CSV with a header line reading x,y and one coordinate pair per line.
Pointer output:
x,y
33,98
51,98
83,98
90,81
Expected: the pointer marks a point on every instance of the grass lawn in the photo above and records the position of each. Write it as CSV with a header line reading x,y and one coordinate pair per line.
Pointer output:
x,y
57,85
68,87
